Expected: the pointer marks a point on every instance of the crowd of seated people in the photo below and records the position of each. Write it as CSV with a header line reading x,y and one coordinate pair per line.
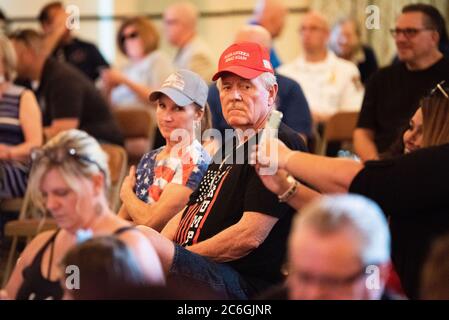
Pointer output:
x,y
409,188
248,215
67,98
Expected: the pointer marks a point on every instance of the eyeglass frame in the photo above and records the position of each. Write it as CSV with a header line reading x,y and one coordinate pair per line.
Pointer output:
x,y
413,32
302,29
37,154
329,282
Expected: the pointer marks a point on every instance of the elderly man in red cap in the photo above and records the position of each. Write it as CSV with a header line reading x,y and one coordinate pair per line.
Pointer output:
x,y
233,233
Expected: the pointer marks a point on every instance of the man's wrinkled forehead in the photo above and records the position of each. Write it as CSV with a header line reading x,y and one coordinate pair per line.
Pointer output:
x,y
227,77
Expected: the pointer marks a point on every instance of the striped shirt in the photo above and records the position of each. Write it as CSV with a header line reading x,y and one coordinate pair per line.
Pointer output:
x,y
13,173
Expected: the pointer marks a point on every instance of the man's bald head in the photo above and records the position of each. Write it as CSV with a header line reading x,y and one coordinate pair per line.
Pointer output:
x,y
271,15
254,33
180,21
185,12
314,31
316,18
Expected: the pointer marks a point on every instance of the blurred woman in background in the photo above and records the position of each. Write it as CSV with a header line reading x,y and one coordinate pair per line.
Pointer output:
x,y
138,40
20,126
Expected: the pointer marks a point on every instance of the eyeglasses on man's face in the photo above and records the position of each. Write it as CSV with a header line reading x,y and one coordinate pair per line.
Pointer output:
x,y
408,33
330,282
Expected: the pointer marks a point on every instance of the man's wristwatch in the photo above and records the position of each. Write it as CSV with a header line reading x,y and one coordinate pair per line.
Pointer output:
x,y
290,191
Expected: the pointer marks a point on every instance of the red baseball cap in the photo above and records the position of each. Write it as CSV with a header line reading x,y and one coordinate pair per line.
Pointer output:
x,y
247,60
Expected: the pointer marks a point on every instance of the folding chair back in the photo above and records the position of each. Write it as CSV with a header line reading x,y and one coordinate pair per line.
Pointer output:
x,y
138,126
340,128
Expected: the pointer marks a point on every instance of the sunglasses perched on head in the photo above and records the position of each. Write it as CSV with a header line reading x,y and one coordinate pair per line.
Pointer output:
x,y
59,155
442,88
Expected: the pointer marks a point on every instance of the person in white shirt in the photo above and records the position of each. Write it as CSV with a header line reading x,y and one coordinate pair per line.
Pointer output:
x,y
330,84
180,23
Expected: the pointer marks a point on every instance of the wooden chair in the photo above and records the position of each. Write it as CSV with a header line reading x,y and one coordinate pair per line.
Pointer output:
x,y
31,222
27,225
340,128
138,126
11,205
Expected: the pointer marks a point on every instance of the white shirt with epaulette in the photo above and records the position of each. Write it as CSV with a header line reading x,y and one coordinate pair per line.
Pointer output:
x,y
330,86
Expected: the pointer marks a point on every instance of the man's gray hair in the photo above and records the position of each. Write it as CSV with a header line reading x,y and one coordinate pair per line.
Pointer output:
x,y
268,79
336,213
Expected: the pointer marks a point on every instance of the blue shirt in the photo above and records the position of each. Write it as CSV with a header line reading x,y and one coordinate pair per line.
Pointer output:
x,y
274,59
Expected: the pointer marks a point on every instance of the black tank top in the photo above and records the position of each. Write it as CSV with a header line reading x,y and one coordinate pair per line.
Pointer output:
x,y
34,285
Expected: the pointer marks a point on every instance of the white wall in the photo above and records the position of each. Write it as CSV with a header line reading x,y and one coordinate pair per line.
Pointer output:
x,y
217,31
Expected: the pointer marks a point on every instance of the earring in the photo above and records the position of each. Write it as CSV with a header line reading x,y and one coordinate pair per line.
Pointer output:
x,y
197,129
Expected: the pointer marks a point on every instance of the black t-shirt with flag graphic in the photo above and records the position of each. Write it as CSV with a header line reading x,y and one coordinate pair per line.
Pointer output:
x,y
227,191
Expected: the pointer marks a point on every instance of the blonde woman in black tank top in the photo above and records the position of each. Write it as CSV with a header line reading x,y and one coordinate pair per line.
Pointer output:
x,y
70,179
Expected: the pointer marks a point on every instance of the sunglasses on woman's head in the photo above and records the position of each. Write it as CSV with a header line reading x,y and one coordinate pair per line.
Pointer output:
x,y
442,88
59,155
